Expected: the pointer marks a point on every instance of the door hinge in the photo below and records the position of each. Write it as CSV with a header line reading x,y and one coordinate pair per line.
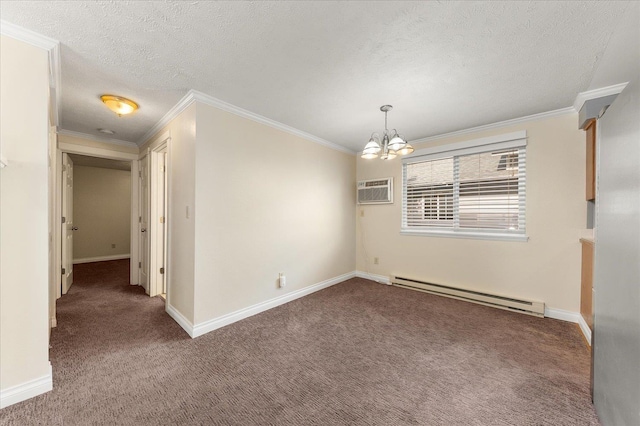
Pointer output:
x,y
64,168
64,271
140,219
140,173
139,264
161,219
162,270
64,219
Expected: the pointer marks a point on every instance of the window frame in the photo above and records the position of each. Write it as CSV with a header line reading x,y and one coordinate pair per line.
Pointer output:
x,y
514,140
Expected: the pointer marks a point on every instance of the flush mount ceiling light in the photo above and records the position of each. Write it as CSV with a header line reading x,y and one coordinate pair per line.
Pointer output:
x,y
390,146
119,105
106,131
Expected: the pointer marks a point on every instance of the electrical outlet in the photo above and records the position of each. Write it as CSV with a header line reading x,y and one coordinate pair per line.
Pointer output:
x,y
282,280
376,261
113,246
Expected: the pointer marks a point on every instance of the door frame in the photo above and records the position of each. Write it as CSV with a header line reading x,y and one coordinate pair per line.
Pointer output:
x,y
68,231
158,254
71,148
141,223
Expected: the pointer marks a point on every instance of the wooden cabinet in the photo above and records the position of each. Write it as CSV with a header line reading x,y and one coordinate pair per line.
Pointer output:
x,y
591,160
586,287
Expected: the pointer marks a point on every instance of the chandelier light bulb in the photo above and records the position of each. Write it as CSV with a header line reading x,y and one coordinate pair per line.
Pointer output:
x,y
407,149
396,143
372,147
368,156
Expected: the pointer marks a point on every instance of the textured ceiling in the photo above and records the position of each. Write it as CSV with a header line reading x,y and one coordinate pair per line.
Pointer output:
x,y
324,67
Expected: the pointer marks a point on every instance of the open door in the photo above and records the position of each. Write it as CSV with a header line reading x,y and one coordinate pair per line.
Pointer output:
x,y
165,201
67,223
160,217
158,221
144,223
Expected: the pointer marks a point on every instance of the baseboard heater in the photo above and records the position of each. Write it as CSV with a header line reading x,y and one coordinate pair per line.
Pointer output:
x,y
502,302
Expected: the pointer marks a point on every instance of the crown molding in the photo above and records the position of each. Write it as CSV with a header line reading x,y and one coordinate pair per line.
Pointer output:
x,y
196,96
597,93
182,104
27,36
217,103
53,47
96,138
499,124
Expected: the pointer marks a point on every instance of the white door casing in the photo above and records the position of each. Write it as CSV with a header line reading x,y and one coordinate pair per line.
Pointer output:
x,y
143,228
161,251
158,221
55,277
73,148
67,223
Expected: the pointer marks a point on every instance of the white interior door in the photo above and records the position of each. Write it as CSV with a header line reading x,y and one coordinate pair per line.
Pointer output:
x,y
67,223
144,223
157,220
162,222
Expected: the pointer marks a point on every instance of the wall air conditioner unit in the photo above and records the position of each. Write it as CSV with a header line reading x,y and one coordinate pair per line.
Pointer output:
x,y
375,191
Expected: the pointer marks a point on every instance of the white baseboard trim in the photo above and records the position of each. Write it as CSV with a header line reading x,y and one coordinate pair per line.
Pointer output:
x,y
215,323
26,390
101,258
569,316
374,277
585,329
180,319
53,322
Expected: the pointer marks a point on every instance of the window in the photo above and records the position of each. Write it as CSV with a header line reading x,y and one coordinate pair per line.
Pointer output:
x,y
473,189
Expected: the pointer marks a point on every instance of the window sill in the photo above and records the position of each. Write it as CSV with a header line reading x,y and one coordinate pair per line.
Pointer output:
x,y
467,234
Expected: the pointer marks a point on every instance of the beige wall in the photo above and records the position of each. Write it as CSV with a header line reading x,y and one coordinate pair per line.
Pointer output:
x,y
261,201
181,193
546,268
101,211
267,202
24,100
96,145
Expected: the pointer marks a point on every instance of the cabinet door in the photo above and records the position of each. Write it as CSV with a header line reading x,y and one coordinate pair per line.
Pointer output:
x,y
591,160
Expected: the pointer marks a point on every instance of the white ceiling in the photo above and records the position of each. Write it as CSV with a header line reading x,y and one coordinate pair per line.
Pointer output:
x,y
324,67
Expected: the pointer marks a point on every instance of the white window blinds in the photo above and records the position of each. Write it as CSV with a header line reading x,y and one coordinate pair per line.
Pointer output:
x,y
478,188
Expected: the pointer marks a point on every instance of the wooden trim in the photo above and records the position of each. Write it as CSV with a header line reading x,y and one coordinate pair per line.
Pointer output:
x,y
590,130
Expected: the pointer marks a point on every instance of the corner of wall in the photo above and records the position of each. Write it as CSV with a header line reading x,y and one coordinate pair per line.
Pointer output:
x,y
27,390
181,320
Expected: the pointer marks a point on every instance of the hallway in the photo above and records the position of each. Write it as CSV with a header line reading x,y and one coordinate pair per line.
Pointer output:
x,y
107,329
101,310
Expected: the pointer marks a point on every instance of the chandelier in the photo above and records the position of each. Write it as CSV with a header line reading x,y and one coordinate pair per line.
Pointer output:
x,y
390,146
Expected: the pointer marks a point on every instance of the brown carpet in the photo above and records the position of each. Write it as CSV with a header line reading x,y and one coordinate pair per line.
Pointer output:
x,y
356,353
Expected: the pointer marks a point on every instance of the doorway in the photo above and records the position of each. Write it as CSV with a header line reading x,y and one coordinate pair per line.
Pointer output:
x,y
96,212
153,181
62,195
